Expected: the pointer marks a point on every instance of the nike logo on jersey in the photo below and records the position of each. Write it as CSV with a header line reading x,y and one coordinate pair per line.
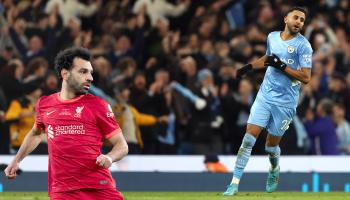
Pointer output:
x,y
49,113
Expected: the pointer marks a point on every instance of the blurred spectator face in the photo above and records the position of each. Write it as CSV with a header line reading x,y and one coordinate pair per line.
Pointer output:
x,y
319,40
130,70
223,49
102,66
227,72
207,81
43,22
131,22
7,54
140,82
193,41
205,29
51,82
335,85
162,77
20,26
41,71
245,87
74,25
224,28
162,26
247,50
348,79
344,4
127,65
125,94
189,66
324,107
254,34
338,111
36,93
123,44
266,13
207,47
341,34
340,16
35,43
105,43
19,69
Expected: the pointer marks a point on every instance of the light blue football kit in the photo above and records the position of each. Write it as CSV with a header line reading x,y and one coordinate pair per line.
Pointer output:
x,y
274,106
276,102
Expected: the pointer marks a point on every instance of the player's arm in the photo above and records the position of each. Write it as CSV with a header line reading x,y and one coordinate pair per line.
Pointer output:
x,y
30,142
303,74
256,64
119,150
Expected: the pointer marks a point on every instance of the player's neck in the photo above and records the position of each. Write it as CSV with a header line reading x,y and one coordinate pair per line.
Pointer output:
x,y
66,93
287,35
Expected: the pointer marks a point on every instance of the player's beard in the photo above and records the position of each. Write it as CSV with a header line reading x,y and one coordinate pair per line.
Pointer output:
x,y
76,87
292,30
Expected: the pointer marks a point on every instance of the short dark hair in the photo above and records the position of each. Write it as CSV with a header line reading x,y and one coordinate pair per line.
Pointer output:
x,y
65,58
298,8
327,106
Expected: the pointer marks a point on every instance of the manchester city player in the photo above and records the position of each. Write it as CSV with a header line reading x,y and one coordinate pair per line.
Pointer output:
x,y
288,62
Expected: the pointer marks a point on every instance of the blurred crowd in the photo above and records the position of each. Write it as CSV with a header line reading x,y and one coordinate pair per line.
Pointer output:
x,y
168,69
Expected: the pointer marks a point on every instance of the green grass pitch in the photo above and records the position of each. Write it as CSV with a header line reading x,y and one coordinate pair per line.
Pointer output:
x,y
196,196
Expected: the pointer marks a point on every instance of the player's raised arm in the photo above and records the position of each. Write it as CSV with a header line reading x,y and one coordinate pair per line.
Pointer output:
x,y
119,150
257,64
30,142
303,74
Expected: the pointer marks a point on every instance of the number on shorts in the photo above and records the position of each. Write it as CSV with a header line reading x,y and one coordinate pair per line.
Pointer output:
x,y
285,125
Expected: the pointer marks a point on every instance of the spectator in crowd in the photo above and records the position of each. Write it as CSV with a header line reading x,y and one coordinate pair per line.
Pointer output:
x,y
205,123
36,70
343,128
11,79
161,9
322,130
130,120
21,116
72,8
50,83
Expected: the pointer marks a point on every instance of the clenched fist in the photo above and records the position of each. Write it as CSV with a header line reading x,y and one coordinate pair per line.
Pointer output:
x,y
104,161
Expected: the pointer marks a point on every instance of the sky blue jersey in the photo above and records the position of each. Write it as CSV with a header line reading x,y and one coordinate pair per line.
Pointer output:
x,y
277,88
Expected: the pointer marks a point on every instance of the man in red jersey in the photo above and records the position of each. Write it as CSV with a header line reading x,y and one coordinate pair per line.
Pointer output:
x,y
76,123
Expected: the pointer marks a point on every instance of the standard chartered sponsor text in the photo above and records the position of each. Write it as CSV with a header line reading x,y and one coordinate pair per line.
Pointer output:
x,y
70,129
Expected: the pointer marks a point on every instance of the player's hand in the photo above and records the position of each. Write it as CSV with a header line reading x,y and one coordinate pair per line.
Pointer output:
x,y
243,70
11,170
104,161
275,61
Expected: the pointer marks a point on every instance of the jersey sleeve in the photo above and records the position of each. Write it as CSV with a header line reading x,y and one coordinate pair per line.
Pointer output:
x,y
38,116
305,55
106,120
268,51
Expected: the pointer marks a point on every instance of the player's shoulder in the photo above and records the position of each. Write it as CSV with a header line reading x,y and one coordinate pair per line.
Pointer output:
x,y
304,41
95,100
48,99
274,34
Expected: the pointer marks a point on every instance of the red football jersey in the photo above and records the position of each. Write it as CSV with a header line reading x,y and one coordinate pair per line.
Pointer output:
x,y
75,130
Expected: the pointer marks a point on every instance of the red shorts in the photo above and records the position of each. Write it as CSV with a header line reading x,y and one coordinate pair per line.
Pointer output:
x,y
88,194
